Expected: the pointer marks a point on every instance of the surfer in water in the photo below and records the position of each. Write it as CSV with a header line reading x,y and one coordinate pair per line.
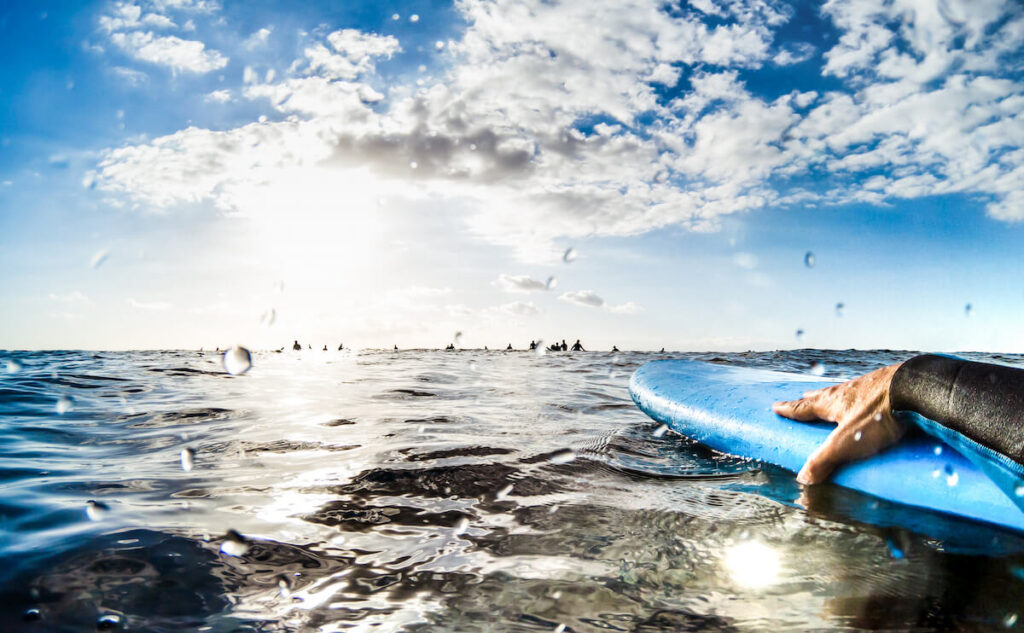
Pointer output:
x,y
978,408
576,347
296,346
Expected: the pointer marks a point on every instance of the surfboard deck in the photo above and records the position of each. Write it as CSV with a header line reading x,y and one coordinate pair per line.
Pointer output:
x,y
728,409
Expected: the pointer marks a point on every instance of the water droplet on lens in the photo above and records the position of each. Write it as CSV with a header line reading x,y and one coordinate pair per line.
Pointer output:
x,y
661,430
952,478
458,338
938,449
569,255
461,526
540,349
1019,490
559,629
421,429
563,456
283,586
472,147
894,550
504,492
269,317
108,622
234,544
817,369
551,283
1010,620
187,459
967,309
472,365
96,510
395,16
878,417
414,18
799,334
413,164
857,436
839,308
32,615
64,404
13,366
98,258
809,260
237,360
936,473
439,45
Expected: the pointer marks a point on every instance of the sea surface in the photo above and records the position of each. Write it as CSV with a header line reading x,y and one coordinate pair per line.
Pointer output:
x,y
442,491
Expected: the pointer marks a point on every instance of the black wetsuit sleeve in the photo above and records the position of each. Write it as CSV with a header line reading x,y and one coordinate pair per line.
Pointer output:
x,y
981,401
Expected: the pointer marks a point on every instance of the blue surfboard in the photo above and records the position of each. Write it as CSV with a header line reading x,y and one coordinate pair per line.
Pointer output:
x,y
729,409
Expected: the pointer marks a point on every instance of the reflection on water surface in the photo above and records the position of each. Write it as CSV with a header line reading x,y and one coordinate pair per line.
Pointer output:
x,y
434,491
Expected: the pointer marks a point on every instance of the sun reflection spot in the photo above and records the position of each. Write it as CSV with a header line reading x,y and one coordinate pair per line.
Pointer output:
x,y
752,564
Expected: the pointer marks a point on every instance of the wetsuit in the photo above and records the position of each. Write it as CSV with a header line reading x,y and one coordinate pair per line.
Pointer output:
x,y
977,408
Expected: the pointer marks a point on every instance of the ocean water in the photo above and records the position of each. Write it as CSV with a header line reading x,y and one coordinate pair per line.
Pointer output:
x,y
442,491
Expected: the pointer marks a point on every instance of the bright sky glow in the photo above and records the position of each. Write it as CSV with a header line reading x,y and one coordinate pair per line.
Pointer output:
x,y
172,170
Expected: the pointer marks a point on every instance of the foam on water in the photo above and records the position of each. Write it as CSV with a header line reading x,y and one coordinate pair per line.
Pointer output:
x,y
441,491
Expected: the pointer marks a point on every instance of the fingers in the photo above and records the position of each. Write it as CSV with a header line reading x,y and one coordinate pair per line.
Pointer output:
x,y
844,444
803,409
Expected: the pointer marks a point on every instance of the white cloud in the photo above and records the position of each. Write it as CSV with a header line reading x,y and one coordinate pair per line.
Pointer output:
x,y
625,308
152,306
258,38
170,51
794,54
126,15
520,283
583,297
72,298
218,96
130,76
520,308
498,133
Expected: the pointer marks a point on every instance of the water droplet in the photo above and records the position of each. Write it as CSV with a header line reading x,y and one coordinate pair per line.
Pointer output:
x,y
894,549
32,615
472,147
472,365
661,430
237,360
569,255
458,338
1019,490
559,629
461,526
504,492
187,459
283,586
551,283
395,16
540,350
108,622
98,258
413,164
439,45
839,308
421,429
234,544
96,510
13,366
799,334
809,259
857,436
967,309
1010,620
936,473
563,456
817,369
878,417
64,404
952,478
414,18
938,449
268,317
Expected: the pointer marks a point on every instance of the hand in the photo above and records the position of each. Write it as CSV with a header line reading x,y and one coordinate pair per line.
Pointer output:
x,y
863,413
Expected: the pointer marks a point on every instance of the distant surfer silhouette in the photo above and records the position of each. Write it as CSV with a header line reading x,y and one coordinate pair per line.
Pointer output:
x,y
296,346
577,347
614,348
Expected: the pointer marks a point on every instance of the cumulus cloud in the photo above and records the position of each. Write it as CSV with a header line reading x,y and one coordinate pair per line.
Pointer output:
x,y
218,96
501,130
583,297
519,308
130,76
258,38
520,283
170,51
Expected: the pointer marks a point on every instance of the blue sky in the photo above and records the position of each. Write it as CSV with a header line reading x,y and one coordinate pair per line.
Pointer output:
x,y
186,173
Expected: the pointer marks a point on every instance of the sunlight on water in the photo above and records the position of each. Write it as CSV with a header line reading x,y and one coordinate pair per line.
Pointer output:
x,y
752,564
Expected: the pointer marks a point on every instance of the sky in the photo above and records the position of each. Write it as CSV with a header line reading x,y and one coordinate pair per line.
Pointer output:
x,y
730,175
